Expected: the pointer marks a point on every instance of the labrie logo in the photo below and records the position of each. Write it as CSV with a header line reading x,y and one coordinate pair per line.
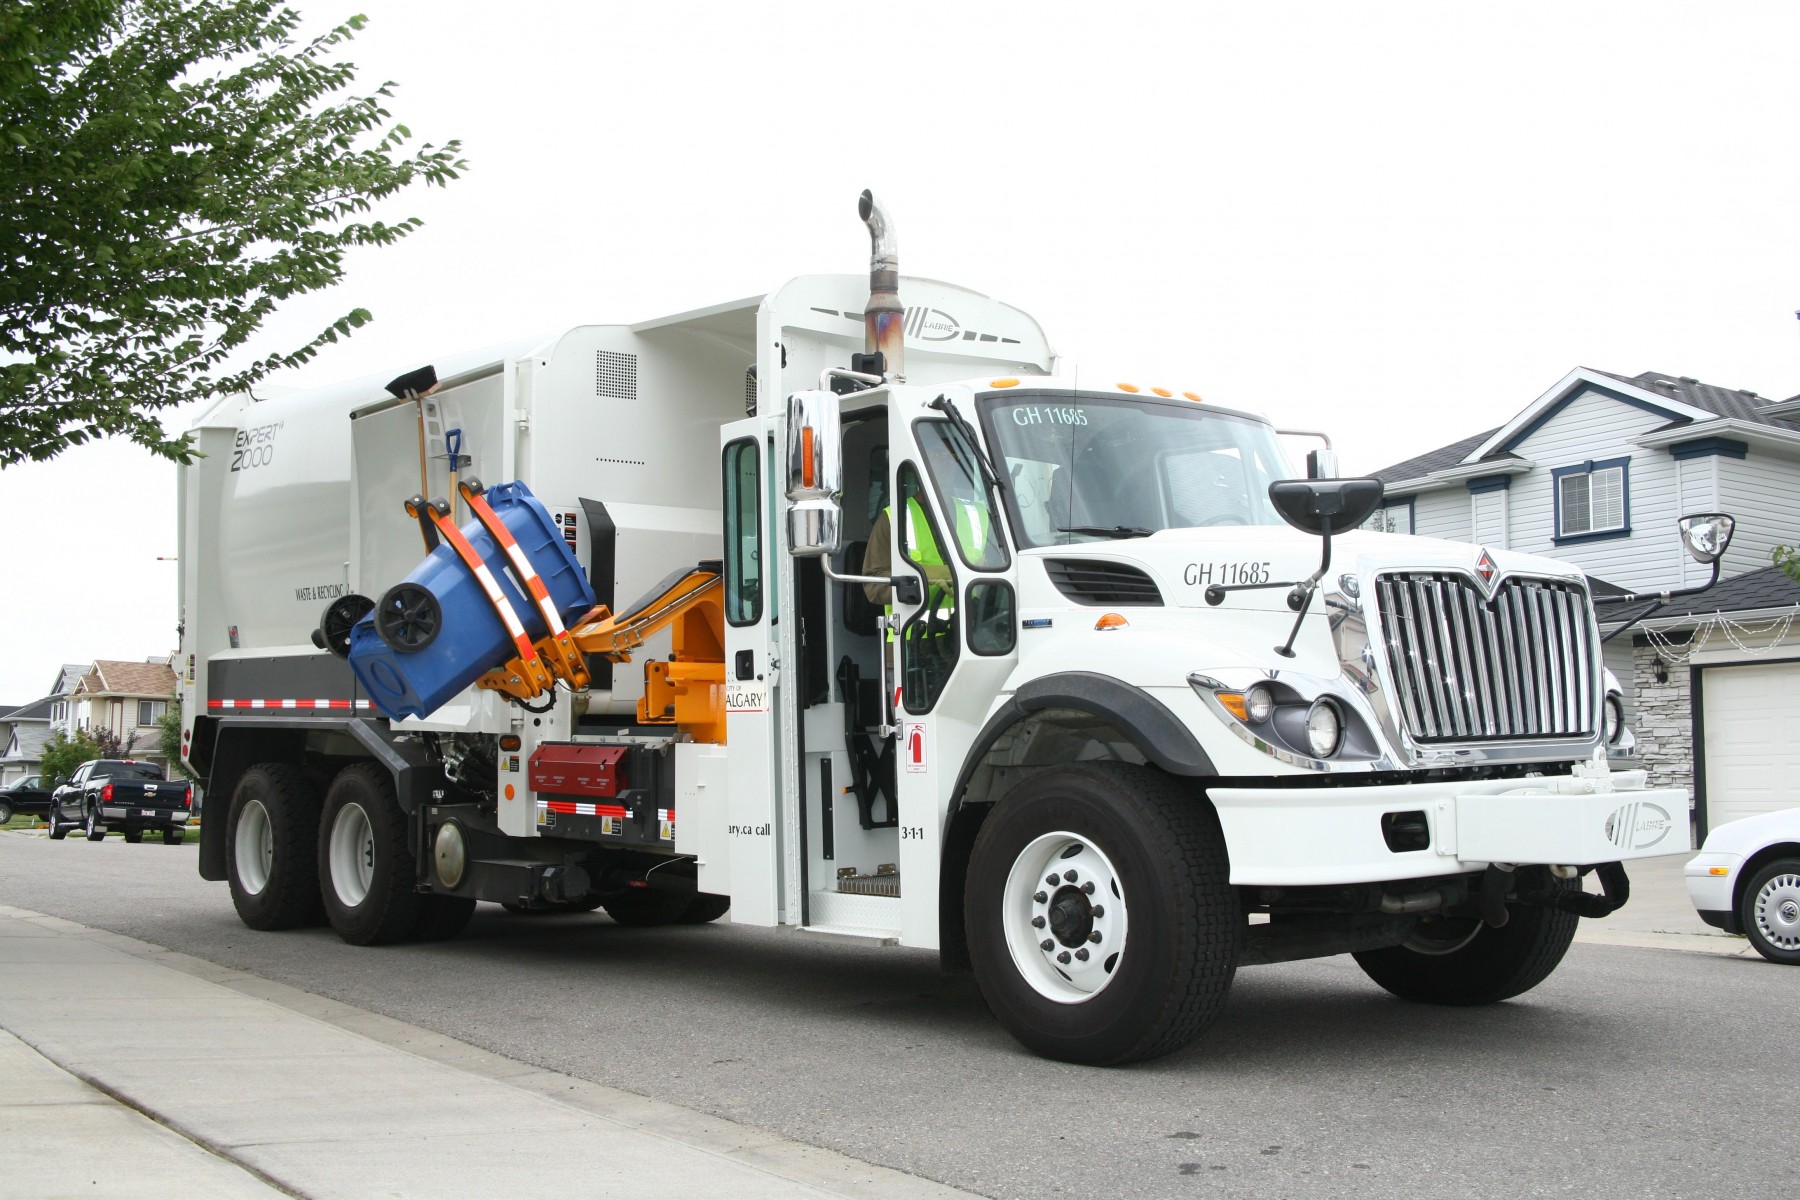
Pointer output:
x,y
931,325
1638,826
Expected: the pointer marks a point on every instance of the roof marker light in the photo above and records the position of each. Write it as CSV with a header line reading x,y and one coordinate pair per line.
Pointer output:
x,y
1003,383
1194,396
1165,393
1127,387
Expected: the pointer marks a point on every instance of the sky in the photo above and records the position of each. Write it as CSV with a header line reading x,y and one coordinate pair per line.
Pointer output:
x,y
1399,222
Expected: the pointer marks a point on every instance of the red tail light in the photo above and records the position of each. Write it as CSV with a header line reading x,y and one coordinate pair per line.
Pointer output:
x,y
106,794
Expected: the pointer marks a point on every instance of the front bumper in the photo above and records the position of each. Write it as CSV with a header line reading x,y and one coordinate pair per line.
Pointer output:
x,y
1296,837
1711,881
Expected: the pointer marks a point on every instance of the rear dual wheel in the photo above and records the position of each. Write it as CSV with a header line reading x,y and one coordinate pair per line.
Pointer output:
x,y
271,847
367,871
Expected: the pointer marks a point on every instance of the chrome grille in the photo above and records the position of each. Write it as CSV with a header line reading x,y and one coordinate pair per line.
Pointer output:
x,y
1465,668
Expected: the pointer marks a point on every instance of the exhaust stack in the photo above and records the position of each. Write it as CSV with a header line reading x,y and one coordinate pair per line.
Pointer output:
x,y
884,320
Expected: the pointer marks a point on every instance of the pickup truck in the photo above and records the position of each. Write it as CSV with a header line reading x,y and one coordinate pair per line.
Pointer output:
x,y
24,797
131,797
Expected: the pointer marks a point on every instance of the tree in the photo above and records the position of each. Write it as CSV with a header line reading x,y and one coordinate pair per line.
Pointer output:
x,y
1788,559
171,171
62,754
168,740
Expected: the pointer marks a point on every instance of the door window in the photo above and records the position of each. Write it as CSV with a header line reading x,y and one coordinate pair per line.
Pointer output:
x,y
928,641
743,534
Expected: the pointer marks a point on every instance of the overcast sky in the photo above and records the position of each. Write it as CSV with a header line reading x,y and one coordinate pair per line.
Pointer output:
x,y
1401,222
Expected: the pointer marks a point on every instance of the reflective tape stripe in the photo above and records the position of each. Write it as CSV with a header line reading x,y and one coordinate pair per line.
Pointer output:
x,y
288,703
533,582
577,808
485,577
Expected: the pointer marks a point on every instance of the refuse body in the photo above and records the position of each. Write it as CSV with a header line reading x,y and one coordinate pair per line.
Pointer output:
x,y
437,632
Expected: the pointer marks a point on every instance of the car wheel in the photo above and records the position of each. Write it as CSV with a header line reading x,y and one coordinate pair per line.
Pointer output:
x,y
57,831
1102,925
271,836
174,837
366,868
134,836
1467,962
1770,911
95,830
6,812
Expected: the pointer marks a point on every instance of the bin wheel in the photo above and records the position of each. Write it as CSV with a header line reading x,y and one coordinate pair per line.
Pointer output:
x,y
408,618
341,615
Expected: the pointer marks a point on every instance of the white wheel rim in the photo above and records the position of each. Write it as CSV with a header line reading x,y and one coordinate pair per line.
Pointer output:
x,y
352,855
255,848
1778,912
1065,918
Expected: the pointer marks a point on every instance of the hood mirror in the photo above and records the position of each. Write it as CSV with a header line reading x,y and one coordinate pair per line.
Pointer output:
x,y
1317,505
1707,536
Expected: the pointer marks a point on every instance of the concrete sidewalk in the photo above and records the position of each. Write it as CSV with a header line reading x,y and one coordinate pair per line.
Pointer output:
x,y
129,1070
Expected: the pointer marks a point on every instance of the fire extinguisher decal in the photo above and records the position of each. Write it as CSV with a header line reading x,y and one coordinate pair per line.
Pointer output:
x,y
915,748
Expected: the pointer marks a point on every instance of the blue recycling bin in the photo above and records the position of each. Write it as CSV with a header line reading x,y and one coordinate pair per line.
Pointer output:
x,y
468,639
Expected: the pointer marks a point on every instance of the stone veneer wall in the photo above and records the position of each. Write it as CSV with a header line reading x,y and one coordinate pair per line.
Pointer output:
x,y
1664,721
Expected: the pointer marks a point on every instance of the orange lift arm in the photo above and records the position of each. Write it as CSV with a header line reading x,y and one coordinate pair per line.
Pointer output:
x,y
687,691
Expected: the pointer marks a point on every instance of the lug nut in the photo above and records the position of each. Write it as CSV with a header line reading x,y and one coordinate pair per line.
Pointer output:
x,y
1046,945
1099,911
1063,957
1040,898
1082,954
1053,879
1037,922
1088,887
1069,875
1094,936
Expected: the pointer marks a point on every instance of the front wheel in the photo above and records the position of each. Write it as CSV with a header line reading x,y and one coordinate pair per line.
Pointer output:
x,y
1102,925
367,872
1771,911
6,812
1465,962
94,829
57,830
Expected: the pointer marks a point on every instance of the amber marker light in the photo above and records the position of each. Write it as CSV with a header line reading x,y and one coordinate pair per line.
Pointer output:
x,y
1003,383
1234,704
1165,393
509,741
806,456
1127,387
1194,396
1111,621
1718,870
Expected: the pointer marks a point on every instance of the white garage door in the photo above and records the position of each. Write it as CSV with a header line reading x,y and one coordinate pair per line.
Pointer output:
x,y
1752,719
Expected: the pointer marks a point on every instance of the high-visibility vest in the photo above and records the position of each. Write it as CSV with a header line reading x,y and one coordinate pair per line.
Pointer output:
x,y
925,552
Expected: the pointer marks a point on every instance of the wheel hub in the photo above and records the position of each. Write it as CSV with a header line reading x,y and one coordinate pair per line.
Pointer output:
x,y
1778,911
1065,917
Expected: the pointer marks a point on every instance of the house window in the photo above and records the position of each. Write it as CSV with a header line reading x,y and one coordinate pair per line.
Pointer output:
x,y
1396,516
149,711
1593,500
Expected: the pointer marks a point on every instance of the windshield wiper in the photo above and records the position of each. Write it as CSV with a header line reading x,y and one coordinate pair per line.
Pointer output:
x,y
1108,531
989,476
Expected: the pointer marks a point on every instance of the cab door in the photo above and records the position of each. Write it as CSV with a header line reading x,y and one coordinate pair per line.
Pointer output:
x,y
747,830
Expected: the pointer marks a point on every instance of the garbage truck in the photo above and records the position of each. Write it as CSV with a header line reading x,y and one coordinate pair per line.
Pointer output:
x,y
851,608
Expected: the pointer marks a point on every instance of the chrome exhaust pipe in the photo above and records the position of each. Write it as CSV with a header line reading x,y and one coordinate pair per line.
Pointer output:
x,y
884,320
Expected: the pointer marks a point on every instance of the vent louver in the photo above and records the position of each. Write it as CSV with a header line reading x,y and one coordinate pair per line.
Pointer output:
x,y
615,374
1089,581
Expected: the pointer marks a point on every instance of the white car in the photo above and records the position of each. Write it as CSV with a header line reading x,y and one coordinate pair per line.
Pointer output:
x,y
1746,879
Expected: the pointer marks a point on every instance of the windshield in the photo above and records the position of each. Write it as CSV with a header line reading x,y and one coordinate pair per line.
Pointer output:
x,y
1082,467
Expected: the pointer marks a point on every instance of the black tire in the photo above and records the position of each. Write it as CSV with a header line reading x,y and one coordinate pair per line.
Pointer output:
x,y
174,837
443,917
1486,968
384,908
703,908
95,830
1770,911
642,908
282,800
6,812
58,831
1168,978
134,836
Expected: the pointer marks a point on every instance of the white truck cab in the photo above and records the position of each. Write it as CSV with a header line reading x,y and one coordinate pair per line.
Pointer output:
x,y
1115,705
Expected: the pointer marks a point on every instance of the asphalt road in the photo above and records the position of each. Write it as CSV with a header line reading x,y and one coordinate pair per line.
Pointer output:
x,y
1629,1073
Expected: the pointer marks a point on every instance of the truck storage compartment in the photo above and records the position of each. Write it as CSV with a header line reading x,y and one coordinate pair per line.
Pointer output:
x,y
457,633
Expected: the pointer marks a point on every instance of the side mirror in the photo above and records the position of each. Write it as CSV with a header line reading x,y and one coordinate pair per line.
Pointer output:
x,y
1321,464
1310,504
815,475
1707,536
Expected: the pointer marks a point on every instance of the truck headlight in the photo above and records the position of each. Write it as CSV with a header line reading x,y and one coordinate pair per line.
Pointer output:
x,y
1259,705
1324,728
1615,719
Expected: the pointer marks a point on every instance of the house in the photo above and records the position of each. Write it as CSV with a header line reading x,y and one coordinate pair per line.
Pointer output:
x,y
1597,471
23,732
127,699
68,677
